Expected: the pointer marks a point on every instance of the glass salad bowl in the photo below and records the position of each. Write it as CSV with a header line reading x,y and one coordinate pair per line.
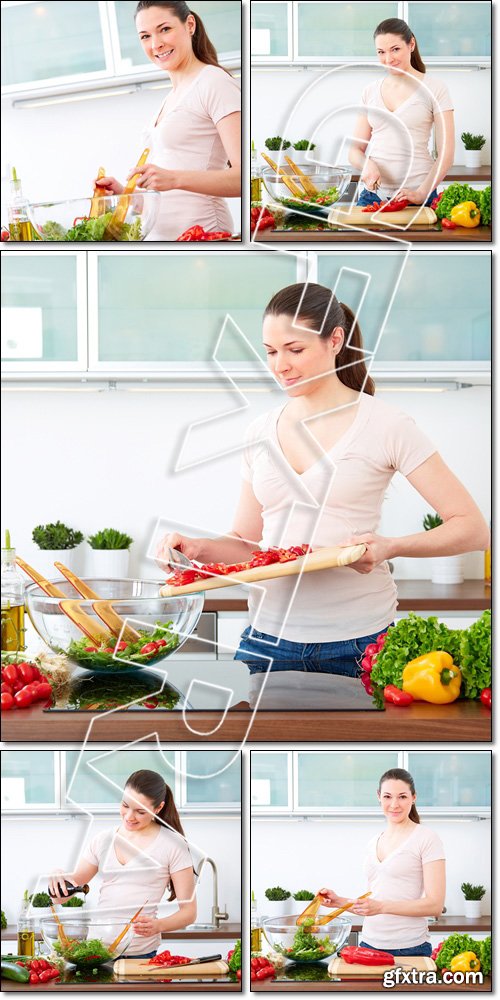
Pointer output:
x,y
306,945
86,942
68,221
330,184
80,630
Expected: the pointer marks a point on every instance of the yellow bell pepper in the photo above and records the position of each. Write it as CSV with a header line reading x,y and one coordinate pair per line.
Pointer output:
x,y
465,962
466,214
433,677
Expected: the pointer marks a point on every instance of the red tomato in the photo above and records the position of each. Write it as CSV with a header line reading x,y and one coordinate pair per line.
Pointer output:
x,y
34,978
25,697
150,647
121,646
26,672
5,235
108,649
43,690
91,649
7,701
160,643
10,673
6,688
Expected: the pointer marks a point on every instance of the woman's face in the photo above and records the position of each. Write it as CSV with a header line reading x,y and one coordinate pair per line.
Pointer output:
x,y
394,53
166,40
396,800
295,356
136,810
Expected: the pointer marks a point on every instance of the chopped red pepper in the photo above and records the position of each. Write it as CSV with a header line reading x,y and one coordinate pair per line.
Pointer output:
x,y
396,696
448,224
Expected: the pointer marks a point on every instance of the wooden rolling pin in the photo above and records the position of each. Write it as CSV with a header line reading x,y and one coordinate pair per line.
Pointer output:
x,y
325,558
417,216
138,967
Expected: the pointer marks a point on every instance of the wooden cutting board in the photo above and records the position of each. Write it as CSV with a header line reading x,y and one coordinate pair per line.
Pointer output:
x,y
338,967
140,967
325,558
416,216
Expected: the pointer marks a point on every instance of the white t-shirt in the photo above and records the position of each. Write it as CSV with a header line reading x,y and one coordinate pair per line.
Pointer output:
x,y
184,136
400,139
145,877
400,877
340,495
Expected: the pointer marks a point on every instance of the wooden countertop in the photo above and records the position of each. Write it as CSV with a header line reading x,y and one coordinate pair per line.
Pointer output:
x,y
459,172
211,986
481,234
463,721
224,932
413,595
447,924
371,986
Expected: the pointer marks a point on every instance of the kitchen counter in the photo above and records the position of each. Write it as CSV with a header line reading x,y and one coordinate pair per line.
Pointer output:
x,y
463,721
448,924
282,984
459,172
430,234
119,985
413,595
224,932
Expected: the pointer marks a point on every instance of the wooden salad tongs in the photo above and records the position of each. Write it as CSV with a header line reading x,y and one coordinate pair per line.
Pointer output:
x,y
96,203
71,608
306,181
122,933
313,907
113,228
104,609
61,933
291,185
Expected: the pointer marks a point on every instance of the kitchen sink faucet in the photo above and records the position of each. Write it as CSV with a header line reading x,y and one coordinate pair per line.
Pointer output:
x,y
217,915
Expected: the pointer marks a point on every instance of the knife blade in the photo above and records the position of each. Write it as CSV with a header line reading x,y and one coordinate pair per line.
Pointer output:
x,y
194,961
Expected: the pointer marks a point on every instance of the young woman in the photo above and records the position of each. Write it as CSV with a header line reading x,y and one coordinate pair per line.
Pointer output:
x,y
138,861
402,107
195,138
406,872
315,470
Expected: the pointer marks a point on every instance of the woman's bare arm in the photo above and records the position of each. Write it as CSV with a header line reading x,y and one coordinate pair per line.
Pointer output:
x,y
83,874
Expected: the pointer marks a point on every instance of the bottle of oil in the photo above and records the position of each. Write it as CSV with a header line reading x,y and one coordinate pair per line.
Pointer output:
x,y
487,566
255,178
20,228
25,930
12,587
72,889
255,928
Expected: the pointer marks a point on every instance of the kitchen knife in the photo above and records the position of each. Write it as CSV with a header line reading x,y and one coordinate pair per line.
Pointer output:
x,y
194,961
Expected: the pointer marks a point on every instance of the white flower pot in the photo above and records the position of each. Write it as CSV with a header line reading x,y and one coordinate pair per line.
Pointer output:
x,y
447,569
109,563
44,560
473,157
472,909
278,908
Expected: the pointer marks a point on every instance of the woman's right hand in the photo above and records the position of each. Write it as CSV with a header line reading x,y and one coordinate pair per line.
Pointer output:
x,y
57,886
109,185
370,176
190,547
330,898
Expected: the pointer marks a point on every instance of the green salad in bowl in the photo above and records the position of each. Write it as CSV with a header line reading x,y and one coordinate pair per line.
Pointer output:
x,y
309,942
81,220
313,193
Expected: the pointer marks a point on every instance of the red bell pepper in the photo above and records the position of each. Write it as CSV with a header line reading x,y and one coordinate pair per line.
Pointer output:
x,y
366,956
448,224
395,206
485,697
396,696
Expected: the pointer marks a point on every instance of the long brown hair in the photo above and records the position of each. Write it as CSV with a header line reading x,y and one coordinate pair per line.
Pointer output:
x,y
317,305
203,48
399,774
155,788
395,26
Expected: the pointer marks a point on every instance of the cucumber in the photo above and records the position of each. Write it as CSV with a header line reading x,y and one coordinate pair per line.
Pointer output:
x,y
17,973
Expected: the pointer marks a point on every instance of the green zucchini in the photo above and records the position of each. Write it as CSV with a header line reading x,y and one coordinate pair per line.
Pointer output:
x,y
18,973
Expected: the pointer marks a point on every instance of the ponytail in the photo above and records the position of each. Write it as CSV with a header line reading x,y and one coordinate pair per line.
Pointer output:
x,y
203,48
399,774
395,26
153,786
316,304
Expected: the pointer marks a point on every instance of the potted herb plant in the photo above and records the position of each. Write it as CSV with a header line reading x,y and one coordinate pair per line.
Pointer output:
x,y
303,895
473,146
110,553
56,543
473,895
444,569
301,152
279,902
276,143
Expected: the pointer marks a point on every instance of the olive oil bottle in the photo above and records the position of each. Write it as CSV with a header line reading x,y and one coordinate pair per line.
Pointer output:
x,y
20,228
25,930
255,178
12,588
255,928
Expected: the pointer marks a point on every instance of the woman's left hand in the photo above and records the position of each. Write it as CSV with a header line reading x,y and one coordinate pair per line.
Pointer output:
x,y
377,551
417,197
153,178
367,907
146,926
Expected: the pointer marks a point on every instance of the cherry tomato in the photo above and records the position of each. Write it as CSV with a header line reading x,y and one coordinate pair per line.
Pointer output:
x,y
6,688
121,646
91,649
5,235
34,978
160,643
108,649
150,647
43,690
24,698
7,701
26,672
10,674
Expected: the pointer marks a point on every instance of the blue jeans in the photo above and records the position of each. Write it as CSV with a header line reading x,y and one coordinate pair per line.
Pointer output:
x,y
342,658
368,197
418,949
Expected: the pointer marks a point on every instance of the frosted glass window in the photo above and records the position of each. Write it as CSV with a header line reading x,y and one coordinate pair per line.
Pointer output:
x,y
451,779
223,788
269,35
44,40
28,778
221,18
334,779
91,788
154,308
433,316
451,29
269,783
340,29
43,293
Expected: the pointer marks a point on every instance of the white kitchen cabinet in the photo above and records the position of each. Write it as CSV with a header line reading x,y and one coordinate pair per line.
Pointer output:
x,y
454,780
271,31
338,31
30,781
271,781
339,782
44,311
211,780
451,31
97,784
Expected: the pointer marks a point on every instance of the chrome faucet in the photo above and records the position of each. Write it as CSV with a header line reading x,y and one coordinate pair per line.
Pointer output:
x,y
217,915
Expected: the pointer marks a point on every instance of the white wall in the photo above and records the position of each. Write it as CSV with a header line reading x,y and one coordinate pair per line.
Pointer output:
x,y
316,115
57,150
45,843
312,854
104,459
